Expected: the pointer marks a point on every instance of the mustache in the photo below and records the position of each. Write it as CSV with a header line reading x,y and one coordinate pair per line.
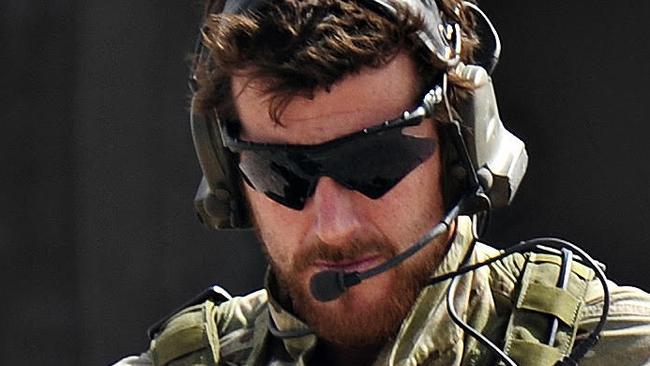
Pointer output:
x,y
317,249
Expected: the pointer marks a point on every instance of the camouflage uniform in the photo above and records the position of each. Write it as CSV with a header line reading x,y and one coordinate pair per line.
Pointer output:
x,y
496,300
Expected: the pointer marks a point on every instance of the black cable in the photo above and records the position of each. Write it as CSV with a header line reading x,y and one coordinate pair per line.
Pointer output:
x,y
473,332
533,245
451,310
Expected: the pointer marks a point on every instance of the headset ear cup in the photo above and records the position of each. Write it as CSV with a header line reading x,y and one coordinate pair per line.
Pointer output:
x,y
213,210
220,210
499,157
219,200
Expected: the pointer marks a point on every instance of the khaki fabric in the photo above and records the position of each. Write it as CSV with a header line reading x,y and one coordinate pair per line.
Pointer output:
x,y
244,330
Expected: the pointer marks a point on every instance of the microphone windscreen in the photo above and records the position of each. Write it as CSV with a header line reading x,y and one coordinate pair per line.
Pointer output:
x,y
327,285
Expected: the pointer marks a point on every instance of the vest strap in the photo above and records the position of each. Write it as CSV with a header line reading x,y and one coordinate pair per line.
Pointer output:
x,y
183,338
183,334
562,304
539,304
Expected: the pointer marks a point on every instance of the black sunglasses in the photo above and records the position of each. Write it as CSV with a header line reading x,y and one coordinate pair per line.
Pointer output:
x,y
371,161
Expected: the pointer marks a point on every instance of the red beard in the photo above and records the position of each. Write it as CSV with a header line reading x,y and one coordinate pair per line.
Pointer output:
x,y
355,319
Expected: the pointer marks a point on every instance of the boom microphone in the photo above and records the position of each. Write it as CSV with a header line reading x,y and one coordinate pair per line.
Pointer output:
x,y
329,285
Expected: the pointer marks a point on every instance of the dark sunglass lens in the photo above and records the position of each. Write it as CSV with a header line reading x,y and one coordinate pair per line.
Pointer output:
x,y
272,174
376,163
369,163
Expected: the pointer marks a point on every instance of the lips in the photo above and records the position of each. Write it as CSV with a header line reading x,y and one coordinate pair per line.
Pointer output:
x,y
348,265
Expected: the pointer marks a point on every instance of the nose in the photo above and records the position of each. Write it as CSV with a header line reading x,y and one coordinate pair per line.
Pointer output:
x,y
337,220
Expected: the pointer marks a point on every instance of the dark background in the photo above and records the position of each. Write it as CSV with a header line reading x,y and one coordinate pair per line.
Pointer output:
x,y
98,238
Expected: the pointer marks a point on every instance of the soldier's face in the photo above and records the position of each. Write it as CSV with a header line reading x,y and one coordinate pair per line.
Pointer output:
x,y
342,229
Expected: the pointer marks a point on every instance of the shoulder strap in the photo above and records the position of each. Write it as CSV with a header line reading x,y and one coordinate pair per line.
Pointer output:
x,y
543,324
181,338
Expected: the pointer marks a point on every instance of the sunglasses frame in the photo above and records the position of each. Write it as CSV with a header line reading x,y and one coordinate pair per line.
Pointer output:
x,y
229,131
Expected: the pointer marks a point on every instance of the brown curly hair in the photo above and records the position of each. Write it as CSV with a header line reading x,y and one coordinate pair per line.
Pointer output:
x,y
300,46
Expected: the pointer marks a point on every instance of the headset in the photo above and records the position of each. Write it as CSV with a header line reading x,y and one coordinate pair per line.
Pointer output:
x,y
492,160
485,162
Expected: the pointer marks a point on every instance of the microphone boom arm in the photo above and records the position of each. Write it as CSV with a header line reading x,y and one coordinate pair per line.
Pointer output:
x,y
329,285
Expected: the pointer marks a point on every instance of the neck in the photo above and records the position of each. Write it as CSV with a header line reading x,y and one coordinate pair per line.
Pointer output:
x,y
332,354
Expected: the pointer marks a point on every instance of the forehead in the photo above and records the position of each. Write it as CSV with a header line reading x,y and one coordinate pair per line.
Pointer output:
x,y
359,100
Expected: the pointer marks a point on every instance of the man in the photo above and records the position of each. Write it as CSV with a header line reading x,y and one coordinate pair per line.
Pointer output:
x,y
294,95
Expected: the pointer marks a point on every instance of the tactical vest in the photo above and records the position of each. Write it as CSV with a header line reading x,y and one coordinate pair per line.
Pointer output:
x,y
541,329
